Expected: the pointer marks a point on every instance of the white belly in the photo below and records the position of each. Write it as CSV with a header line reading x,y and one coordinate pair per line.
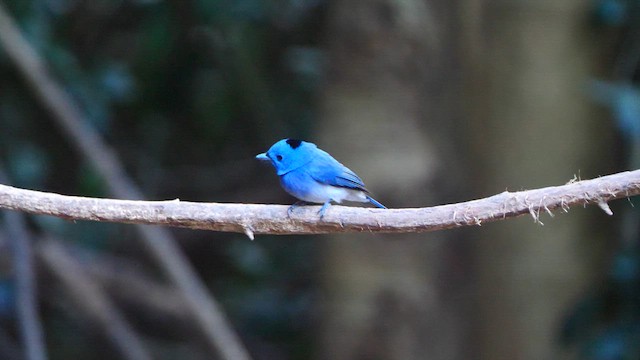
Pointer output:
x,y
323,193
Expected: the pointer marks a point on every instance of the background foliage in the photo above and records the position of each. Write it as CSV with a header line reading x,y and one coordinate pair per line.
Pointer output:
x,y
187,92
605,323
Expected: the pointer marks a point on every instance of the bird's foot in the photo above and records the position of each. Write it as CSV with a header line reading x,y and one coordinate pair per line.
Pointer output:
x,y
297,204
294,206
324,208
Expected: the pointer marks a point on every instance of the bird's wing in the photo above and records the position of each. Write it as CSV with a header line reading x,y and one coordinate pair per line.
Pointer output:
x,y
327,170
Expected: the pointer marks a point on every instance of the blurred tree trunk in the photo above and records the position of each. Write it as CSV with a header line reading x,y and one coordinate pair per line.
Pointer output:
x,y
389,113
536,128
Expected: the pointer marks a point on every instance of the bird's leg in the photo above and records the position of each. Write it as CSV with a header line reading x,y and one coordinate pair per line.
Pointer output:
x,y
295,205
324,208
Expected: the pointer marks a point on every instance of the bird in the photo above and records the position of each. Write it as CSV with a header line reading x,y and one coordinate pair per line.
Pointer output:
x,y
313,176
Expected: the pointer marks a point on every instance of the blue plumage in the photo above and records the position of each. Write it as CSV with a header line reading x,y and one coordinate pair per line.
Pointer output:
x,y
314,176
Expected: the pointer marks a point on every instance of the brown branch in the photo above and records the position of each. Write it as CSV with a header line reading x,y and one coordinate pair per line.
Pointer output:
x,y
272,219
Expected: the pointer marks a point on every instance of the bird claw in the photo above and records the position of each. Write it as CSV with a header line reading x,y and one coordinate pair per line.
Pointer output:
x,y
321,212
293,207
323,209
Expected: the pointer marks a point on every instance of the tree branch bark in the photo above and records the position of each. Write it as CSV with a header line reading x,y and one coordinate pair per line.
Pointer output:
x,y
253,219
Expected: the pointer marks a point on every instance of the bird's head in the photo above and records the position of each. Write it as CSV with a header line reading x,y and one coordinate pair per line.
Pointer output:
x,y
289,154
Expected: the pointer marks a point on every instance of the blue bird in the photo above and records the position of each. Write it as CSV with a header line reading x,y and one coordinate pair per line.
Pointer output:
x,y
314,176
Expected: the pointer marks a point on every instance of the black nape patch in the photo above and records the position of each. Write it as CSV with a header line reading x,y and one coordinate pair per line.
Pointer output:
x,y
294,143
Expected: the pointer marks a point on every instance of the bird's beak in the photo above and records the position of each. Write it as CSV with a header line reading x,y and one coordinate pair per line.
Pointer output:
x,y
263,157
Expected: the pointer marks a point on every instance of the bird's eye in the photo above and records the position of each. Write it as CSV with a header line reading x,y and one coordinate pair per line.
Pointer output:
x,y
279,157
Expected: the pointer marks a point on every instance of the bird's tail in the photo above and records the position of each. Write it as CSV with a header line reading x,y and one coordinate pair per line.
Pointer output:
x,y
375,202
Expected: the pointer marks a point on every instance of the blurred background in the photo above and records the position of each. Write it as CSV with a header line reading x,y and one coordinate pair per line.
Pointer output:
x,y
430,101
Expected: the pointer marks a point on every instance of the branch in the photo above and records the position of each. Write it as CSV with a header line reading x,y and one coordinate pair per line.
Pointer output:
x,y
272,219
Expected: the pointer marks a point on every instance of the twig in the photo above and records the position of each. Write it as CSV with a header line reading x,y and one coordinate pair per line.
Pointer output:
x,y
273,219
27,298
129,285
126,283
205,310
92,300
